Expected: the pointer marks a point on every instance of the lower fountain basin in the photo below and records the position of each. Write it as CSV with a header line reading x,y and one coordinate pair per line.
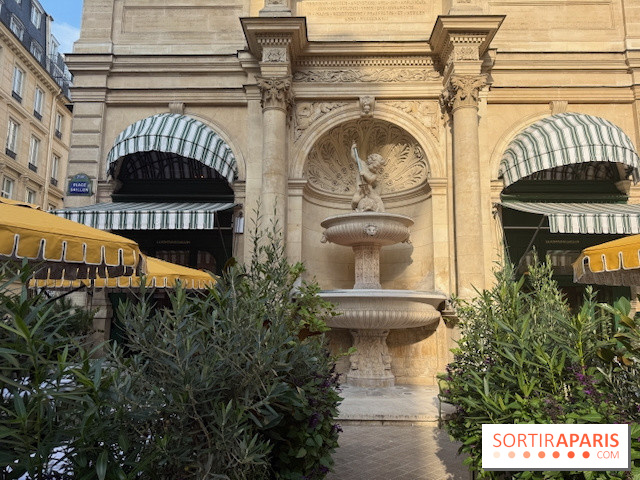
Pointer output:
x,y
383,309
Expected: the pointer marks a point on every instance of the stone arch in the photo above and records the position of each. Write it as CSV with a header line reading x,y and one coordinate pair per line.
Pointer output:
x,y
352,111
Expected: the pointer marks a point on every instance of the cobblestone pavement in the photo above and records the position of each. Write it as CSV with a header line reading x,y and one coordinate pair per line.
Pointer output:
x,y
395,452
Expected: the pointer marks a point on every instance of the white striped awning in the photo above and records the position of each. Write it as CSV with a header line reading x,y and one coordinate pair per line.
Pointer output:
x,y
147,216
565,139
179,134
603,218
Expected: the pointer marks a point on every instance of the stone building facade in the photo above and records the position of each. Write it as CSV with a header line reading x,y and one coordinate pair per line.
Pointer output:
x,y
439,88
35,114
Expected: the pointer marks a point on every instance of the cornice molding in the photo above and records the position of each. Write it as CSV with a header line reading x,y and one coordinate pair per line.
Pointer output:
x,y
519,94
463,38
346,61
260,31
203,96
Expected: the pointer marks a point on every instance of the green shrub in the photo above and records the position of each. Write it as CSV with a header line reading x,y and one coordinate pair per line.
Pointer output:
x,y
41,341
523,357
223,384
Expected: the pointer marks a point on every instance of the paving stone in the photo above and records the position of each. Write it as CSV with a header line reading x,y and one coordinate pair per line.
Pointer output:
x,y
393,452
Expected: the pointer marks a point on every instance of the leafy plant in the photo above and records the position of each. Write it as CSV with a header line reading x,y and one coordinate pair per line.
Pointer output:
x,y
40,341
223,385
525,358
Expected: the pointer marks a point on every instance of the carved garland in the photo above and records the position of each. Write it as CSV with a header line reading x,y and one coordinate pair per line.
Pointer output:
x,y
366,75
331,169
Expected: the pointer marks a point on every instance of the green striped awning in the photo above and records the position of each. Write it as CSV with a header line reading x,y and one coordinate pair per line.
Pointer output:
x,y
179,134
147,216
564,139
606,218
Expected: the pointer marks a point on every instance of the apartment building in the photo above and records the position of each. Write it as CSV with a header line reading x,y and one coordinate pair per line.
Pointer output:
x,y
35,109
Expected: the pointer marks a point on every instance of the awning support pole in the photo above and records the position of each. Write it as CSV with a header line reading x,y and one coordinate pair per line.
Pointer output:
x,y
533,239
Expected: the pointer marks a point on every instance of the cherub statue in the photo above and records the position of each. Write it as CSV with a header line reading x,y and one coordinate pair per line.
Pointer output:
x,y
367,197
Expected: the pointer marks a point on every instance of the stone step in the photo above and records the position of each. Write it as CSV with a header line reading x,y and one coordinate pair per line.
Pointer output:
x,y
401,405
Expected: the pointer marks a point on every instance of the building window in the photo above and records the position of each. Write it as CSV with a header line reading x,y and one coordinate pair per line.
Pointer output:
x,y
18,83
7,188
13,131
16,27
36,15
30,196
58,125
36,50
38,103
54,49
34,151
55,165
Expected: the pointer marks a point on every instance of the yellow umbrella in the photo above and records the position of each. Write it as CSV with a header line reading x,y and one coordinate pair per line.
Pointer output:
x,y
160,274
611,263
66,249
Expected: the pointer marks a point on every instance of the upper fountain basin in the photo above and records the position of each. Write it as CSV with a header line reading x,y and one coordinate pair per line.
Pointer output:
x,y
366,228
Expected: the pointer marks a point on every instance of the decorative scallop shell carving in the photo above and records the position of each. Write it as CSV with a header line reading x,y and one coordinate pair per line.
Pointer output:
x,y
331,169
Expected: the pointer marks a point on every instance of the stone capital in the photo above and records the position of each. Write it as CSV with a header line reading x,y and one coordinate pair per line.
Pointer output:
x,y
276,92
463,90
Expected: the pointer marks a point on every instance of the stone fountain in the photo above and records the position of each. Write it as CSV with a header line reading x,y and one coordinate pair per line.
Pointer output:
x,y
367,310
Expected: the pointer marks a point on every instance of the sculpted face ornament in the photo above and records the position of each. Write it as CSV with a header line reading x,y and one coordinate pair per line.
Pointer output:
x,y
371,230
367,197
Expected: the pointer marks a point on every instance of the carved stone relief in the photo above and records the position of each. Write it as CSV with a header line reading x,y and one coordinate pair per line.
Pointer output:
x,y
366,75
466,52
306,113
274,54
428,113
331,169
367,103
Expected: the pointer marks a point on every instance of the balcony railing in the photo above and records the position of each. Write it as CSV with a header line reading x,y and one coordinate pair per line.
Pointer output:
x,y
32,167
10,153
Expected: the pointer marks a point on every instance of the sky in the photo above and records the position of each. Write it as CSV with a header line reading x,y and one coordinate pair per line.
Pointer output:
x,y
67,15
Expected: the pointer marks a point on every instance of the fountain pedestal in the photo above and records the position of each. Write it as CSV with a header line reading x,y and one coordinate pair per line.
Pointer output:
x,y
371,364
367,310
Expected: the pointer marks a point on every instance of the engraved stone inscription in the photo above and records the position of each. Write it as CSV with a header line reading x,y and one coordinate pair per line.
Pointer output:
x,y
366,11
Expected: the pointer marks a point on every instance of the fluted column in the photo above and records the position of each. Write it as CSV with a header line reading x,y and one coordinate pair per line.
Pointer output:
x,y
462,97
275,101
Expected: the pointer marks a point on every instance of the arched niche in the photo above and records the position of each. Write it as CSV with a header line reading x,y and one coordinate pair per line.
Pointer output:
x,y
331,180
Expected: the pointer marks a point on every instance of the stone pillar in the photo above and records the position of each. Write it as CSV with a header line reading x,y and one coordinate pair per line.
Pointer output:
x,y
463,100
275,101
461,46
275,41
367,266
